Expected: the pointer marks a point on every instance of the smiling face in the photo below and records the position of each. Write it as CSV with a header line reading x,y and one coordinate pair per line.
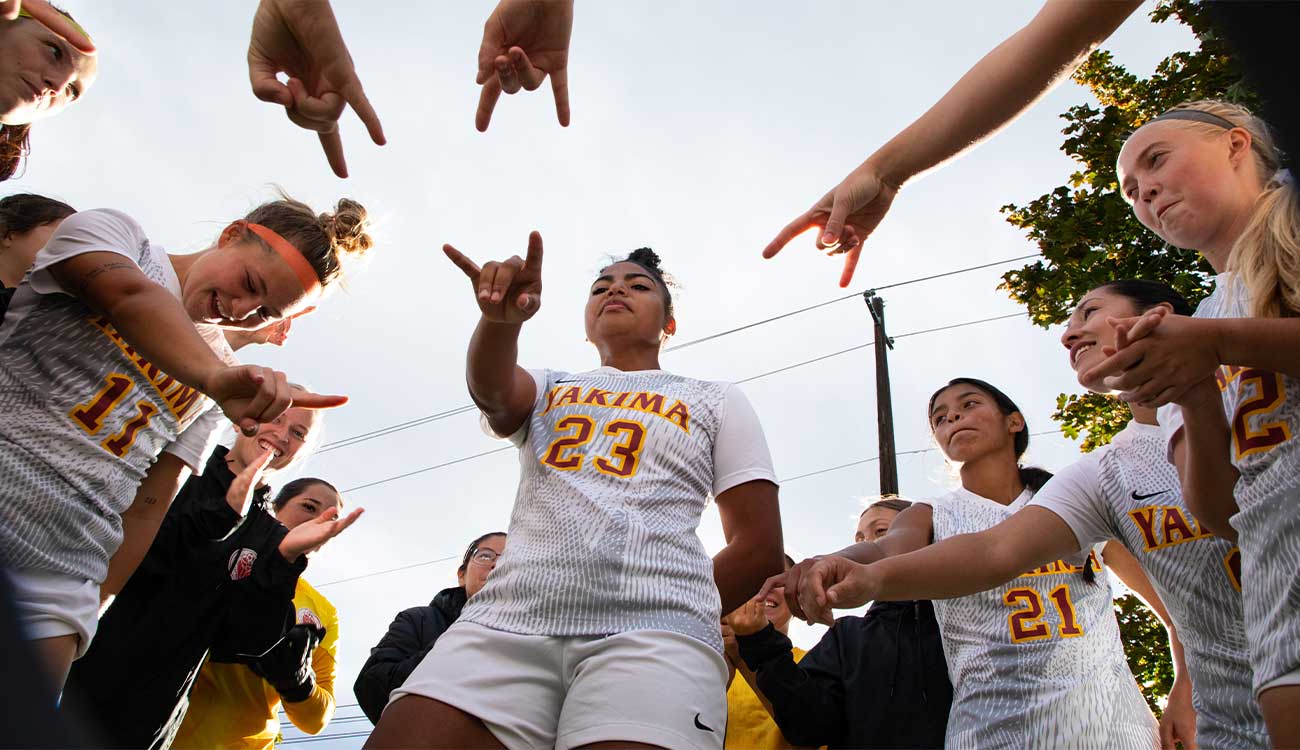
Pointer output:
x,y
1192,184
481,564
1088,330
286,436
40,73
626,304
967,423
308,504
241,284
874,523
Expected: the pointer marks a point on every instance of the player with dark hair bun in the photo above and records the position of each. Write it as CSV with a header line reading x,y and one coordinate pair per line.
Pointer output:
x,y
601,624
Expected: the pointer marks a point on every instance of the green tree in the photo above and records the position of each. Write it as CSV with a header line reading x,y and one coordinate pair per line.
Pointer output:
x,y
1087,236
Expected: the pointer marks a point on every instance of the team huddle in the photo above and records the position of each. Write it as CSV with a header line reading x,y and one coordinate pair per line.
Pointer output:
x,y
152,589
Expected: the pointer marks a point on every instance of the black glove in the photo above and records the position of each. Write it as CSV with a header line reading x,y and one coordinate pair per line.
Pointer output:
x,y
287,664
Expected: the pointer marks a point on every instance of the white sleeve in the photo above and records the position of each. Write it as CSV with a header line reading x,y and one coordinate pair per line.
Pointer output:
x,y
1170,419
540,378
740,452
195,443
1075,494
97,230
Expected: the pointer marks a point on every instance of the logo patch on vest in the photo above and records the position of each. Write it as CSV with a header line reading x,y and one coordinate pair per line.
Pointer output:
x,y
241,563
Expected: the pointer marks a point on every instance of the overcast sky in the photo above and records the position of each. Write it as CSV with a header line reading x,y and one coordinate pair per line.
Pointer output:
x,y
699,129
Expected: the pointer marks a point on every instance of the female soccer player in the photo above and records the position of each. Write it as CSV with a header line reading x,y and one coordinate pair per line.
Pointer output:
x,y
220,575
414,631
1035,661
1205,176
600,625
103,369
237,705
26,223
47,65
1124,491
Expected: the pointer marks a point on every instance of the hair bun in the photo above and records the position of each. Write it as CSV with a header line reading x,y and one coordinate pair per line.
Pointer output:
x,y
644,256
348,228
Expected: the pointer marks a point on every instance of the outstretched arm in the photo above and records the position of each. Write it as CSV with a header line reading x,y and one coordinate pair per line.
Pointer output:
x,y
1002,85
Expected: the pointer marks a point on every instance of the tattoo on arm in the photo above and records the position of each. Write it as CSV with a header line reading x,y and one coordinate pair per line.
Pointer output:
x,y
89,277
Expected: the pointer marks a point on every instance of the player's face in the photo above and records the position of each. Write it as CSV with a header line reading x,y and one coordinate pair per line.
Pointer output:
x,y
1088,331
40,73
874,524
778,612
480,567
25,245
286,436
968,424
1195,189
625,303
241,284
308,504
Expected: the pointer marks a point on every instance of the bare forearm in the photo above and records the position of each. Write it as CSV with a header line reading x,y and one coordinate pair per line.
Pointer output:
x,y
141,521
153,322
1271,344
1002,85
958,566
740,569
1208,476
491,364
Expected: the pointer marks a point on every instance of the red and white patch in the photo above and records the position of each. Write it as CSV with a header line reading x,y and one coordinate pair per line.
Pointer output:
x,y
241,563
308,617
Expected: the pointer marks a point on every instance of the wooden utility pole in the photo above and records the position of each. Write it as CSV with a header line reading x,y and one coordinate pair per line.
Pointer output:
x,y
884,405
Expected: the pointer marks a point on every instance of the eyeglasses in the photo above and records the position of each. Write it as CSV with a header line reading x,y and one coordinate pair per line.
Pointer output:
x,y
484,556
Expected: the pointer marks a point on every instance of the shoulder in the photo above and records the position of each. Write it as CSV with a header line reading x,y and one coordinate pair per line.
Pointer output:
x,y
99,222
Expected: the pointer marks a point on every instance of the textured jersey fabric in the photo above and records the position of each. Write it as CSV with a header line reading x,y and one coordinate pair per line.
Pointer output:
x,y
615,470
1263,410
232,708
1037,661
1128,491
85,414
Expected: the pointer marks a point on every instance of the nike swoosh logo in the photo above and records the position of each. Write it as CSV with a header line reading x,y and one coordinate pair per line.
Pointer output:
x,y
1136,496
698,725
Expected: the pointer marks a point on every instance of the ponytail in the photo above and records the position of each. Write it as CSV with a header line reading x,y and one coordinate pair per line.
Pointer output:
x,y
1266,257
1033,477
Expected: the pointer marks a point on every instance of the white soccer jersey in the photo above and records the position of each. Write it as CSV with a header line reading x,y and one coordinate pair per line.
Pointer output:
x,y
1037,661
1127,491
1263,411
615,470
85,415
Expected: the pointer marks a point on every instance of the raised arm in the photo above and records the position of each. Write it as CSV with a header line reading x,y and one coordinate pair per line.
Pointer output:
x,y
1002,85
508,294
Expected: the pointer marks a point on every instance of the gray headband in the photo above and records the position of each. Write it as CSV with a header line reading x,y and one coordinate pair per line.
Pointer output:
x,y
1196,115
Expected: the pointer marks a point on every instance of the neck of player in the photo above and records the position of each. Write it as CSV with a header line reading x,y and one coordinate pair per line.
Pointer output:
x,y
628,354
995,476
1142,414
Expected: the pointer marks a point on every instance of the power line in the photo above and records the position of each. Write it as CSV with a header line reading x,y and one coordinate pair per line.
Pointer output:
x,y
383,572
802,310
442,465
401,426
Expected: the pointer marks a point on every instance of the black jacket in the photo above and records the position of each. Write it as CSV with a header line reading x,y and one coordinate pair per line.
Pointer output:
x,y
874,681
408,640
209,581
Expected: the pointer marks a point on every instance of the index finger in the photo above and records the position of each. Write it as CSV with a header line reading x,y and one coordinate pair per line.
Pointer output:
x,y
773,582
356,98
49,17
348,521
487,101
308,400
560,87
469,267
533,261
850,265
802,224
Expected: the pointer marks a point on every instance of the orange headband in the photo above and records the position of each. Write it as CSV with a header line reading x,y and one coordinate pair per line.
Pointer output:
x,y
293,256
